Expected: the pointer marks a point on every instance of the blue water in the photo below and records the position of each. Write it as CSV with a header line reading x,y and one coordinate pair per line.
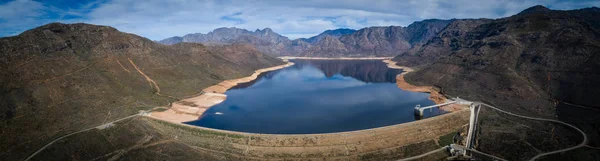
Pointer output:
x,y
317,96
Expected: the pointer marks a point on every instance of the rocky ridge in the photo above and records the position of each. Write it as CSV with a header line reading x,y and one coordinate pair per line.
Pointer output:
x,y
366,42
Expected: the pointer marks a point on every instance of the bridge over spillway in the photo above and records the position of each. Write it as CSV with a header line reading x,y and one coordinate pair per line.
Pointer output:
x,y
419,110
458,151
474,108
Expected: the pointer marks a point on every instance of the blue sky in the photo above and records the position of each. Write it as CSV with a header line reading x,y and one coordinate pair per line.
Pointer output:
x,y
159,19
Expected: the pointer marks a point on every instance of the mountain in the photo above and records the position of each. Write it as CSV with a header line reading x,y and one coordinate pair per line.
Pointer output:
x,y
328,46
422,31
333,33
366,42
264,40
536,63
220,35
377,41
270,36
171,40
62,78
539,9
380,41
441,44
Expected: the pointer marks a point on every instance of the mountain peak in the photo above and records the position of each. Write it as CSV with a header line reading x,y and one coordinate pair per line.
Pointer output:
x,y
336,33
340,29
62,28
226,29
74,26
535,9
432,20
339,32
265,30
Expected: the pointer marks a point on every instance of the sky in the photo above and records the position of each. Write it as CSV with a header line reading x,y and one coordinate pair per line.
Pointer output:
x,y
159,19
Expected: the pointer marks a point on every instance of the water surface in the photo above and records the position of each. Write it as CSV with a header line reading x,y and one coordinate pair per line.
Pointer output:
x,y
317,96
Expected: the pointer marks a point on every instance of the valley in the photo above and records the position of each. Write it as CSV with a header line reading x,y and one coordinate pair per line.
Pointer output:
x,y
90,92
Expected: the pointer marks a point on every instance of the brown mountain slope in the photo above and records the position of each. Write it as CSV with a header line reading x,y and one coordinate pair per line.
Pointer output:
x,y
377,41
329,46
525,64
61,78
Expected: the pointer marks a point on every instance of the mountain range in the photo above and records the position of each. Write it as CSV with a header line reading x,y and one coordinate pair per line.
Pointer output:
x,y
366,42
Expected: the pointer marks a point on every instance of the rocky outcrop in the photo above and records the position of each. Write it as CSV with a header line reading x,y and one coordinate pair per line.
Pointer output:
x,y
61,78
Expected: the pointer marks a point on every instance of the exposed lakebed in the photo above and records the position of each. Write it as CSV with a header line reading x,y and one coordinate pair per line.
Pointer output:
x,y
317,96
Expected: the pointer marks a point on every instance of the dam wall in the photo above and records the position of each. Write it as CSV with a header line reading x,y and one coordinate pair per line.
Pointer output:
x,y
389,142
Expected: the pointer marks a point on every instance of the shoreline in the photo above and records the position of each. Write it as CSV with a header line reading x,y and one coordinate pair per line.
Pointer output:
x,y
189,109
338,58
434,95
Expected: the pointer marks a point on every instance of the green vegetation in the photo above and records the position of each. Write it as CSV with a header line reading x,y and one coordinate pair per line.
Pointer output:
x,y
447,139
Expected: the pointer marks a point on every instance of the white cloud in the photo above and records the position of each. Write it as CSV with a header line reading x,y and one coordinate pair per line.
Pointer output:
x,y
158,19
17,14
20,8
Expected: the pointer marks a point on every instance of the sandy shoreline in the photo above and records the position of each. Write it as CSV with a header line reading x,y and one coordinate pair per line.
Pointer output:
x,y
190,109
434,96
339,58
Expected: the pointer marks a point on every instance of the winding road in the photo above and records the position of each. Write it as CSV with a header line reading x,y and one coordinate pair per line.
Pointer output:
x,y
142,113
423,155
582,144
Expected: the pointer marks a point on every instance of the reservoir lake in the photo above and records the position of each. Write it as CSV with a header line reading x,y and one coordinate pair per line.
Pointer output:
x,y
317,96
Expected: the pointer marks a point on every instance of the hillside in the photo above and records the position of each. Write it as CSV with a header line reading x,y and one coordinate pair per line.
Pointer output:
x,y
529,63
61,78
